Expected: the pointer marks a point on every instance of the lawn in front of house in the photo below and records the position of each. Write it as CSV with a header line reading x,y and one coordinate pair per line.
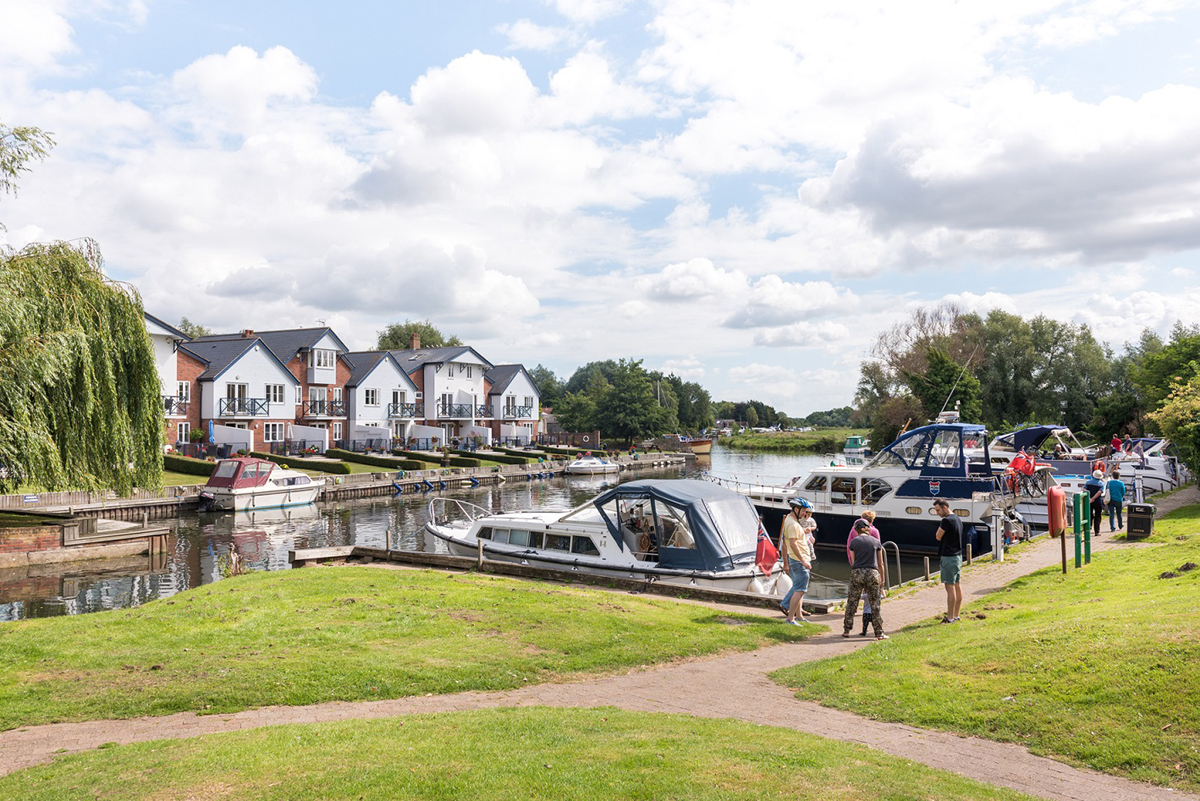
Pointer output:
x,y
502,754
1097,667
345,633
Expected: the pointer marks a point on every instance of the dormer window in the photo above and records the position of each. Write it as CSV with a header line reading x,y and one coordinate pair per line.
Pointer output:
x,y
321,358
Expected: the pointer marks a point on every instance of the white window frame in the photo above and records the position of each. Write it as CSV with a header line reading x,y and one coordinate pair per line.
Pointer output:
x,y
183,432
335,394
336,431
322,358
274,432
183,390
274,393
317,394
468,371
370,397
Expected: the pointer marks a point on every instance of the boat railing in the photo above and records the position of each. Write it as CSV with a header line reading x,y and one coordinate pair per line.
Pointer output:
x,y
443,511
899,578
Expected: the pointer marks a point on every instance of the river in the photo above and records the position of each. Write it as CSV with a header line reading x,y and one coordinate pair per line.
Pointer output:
x,y
200,543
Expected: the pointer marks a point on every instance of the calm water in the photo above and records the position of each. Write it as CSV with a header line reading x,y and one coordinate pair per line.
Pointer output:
x,y
200,542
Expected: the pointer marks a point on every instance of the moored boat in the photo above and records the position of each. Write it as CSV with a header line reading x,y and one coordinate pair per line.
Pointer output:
x,y
679,531
241,483
591,466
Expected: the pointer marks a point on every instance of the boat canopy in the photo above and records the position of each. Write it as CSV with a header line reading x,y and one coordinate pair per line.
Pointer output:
x,y
935,450
241,473
1031,438
722,524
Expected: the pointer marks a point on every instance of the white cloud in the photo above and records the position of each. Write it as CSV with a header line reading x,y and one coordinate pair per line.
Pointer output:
x,y
238,86
691,280
689,368
775,302
588,11
825,334
525,34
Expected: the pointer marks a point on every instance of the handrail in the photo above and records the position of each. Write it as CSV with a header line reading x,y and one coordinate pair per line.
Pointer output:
x,y
899,577
440,515
243,407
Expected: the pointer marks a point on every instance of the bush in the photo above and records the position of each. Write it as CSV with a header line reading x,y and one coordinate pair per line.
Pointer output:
x,y
377,461
320,466
188,465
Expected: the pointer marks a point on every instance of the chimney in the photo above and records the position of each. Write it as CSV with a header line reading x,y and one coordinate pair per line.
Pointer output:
x,y
416,341
247,333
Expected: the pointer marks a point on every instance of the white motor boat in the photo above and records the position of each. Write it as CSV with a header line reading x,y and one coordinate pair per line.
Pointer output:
x,y
243,483
679,531
591,466
1154,461
899,484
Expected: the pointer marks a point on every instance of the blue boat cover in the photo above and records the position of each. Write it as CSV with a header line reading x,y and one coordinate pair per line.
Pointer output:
x,y
1031,438
723,523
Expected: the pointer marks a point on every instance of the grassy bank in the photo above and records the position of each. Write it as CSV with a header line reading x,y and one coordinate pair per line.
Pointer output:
x,y
497,754
819,441
1097,667
346,633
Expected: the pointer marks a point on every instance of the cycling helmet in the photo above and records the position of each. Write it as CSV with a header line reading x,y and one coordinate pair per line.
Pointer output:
x,y
799,503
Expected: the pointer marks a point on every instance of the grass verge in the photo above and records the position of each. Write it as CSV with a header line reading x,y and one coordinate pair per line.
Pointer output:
x,y
348,633
534,753
821,440
1097,667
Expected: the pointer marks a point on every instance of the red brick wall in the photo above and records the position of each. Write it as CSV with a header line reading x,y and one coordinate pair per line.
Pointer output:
x,y
188,368
30,538
298,367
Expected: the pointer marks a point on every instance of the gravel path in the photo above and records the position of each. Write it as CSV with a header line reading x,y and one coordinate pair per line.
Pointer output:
x,y
734,686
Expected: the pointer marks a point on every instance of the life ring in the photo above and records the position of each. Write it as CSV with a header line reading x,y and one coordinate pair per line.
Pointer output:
x,y
1056,505
1098,465
587,439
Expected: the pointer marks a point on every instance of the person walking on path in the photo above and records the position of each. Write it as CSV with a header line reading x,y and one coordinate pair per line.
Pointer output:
x,y
1095,491
864,578
1116,501
869,517
797,555
950,547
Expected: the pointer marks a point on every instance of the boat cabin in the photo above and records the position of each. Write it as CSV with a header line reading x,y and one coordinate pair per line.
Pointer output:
x,y
246,473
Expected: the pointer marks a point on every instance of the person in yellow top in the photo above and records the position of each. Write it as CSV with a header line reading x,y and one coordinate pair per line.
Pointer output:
x,y
797,556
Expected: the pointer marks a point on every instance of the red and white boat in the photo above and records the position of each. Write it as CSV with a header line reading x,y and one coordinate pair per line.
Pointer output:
x,y
243,483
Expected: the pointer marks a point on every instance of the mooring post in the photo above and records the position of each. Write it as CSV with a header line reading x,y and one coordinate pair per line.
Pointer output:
x,y
1079,518
1087,539
927,568
969,549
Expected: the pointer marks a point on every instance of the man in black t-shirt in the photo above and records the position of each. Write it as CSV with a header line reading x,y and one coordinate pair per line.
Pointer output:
x,y
950,539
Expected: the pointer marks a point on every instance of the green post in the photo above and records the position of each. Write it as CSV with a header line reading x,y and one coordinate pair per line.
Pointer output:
x,y
1080,509
1087,535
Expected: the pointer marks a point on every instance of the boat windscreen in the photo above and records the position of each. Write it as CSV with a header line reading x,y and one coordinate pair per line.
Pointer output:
x,y
737,521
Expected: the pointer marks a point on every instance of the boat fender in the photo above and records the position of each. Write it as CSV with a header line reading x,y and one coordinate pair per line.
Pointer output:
x,y
758,587
427,485
474,482
1056,505
443,483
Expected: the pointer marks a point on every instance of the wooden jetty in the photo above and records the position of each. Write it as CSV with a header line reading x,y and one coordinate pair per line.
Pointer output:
x,y
364,555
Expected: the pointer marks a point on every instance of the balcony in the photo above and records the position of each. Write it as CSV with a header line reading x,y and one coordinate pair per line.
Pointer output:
x,y
402,410
456,410
175,406
518,412
483,410
323,408
243,407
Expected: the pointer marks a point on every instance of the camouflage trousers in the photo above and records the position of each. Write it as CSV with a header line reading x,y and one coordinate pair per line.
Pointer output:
x,y
864,580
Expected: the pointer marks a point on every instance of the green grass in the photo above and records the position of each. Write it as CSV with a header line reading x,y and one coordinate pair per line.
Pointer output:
x,y
1098,667
346,633
1179,523
534,753
821,440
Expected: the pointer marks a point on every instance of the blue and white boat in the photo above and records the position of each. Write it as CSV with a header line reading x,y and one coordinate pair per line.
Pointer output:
x,y
899,484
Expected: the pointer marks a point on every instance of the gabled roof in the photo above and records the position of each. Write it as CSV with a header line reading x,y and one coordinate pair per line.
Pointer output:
x,y
503,374
286,343
364,363
168,328
221,354
412,360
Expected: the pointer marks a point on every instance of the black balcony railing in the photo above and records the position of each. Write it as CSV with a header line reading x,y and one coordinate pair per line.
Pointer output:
x,y
323,408
174,405
402,410
455,410
243,407
518,412
483,410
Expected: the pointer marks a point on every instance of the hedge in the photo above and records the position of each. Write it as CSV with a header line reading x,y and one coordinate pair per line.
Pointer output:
x,y
188,465
377,461
307,464
493,457
437,461
570,451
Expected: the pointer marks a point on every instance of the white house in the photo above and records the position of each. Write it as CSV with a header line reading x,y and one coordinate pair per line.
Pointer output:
x,y
380,395
515,403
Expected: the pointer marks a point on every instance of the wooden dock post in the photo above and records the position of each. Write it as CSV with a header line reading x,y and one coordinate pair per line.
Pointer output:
x,y
968,553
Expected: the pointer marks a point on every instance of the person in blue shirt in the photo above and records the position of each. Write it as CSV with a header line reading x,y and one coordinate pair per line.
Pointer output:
x,y
1116,501
1095,490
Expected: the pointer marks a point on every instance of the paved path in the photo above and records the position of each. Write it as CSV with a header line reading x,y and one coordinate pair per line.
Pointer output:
x,y
734,686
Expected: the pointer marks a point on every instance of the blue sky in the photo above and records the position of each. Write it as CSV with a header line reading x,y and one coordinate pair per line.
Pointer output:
x,y
744,193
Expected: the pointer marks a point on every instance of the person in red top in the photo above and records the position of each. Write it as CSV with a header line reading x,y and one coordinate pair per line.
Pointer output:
x,y
1116,443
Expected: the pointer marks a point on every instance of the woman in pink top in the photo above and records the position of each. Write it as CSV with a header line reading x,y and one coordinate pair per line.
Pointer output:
x,y
869,517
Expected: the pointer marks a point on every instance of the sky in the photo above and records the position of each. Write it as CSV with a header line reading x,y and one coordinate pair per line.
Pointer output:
x,y
743,193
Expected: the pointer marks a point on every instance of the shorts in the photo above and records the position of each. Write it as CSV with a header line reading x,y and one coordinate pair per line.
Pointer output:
x,y
951,569
799,574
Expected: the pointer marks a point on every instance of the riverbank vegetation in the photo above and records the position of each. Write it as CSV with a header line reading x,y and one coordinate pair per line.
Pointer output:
x,y
820,441
348,633
1096,667
534,753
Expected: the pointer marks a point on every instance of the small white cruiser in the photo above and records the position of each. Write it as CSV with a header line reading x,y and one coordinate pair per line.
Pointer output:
x,y
243,483
679,531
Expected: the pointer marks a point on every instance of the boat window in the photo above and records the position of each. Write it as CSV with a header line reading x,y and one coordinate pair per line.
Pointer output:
x,y
887,459
913,510
737,522
911,449
485,533
1002,445
500,535
842,490
518,537
674,529
225,470
946,449
535,539
558,542
816,484
583,546
301,480
874,490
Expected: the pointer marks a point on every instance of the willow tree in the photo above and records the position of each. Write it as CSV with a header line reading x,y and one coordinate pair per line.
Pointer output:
x,y
79,396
